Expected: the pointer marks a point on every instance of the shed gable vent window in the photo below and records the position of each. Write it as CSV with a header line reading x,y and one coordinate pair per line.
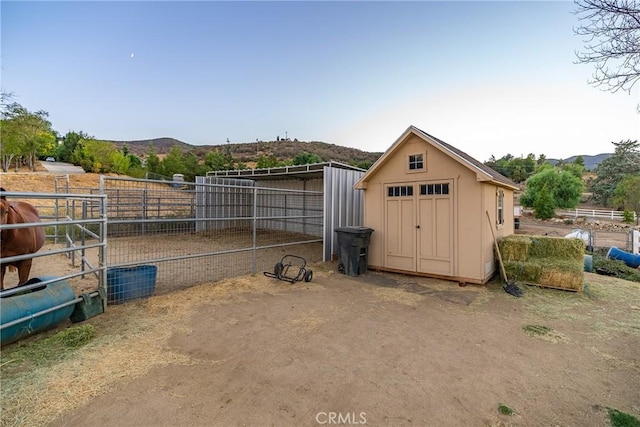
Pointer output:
x,y
416,162
400,191
431,189
500,213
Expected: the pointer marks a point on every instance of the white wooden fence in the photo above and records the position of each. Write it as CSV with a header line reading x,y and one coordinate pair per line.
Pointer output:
x,y
593,213
635,242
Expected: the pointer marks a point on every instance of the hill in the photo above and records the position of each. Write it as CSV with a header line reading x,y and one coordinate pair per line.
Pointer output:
x,y
590,162
251,151
161,145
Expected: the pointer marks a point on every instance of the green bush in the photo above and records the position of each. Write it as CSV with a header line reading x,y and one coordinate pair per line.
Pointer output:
x,y
627,216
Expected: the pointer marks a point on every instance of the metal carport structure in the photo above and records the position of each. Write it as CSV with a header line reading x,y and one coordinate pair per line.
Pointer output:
x,y
342,204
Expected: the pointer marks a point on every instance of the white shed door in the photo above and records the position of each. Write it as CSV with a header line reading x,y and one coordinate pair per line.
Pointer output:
x,y
419,227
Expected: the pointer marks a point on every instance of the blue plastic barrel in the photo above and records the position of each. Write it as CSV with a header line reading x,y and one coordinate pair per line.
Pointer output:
x,y
17,306
127,283
631,260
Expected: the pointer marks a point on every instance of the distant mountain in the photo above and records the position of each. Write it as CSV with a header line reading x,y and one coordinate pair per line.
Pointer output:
x,y
282,150
160,145
590,162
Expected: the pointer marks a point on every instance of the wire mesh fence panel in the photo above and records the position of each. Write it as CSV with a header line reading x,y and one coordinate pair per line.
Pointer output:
x,y
74,248
606,239
209,230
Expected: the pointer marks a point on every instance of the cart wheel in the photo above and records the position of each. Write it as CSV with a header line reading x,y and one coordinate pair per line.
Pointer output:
x,y
308,276
277,270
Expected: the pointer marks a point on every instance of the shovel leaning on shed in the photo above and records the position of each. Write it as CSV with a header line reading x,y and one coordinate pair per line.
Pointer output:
x,y
509,287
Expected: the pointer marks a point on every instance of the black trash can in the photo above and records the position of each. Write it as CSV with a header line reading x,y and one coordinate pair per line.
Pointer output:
x,y
516,223
353,249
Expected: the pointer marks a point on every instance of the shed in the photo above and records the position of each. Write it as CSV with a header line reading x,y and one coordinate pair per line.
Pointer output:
x,y
426,201
341,204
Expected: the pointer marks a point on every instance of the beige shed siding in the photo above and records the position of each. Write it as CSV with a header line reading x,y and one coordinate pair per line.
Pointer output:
x,y
439,167
491,205
472,243
468,225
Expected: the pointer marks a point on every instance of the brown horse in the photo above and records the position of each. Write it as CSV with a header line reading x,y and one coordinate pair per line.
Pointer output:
x,y
18,241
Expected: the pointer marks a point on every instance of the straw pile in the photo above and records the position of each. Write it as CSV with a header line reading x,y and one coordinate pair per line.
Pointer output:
x,y
553,262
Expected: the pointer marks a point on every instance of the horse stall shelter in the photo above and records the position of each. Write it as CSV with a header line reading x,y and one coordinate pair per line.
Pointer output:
x,y
427,202
325,200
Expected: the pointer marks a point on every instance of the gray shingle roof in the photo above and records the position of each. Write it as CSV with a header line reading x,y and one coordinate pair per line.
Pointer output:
x,y
498,177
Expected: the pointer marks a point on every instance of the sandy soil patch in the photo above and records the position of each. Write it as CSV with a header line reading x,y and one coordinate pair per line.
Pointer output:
x,y
258,351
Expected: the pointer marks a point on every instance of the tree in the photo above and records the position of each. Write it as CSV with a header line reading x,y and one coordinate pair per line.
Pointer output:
x,y
217,161
574,168
119,163
544,206
611,31
624,161
192,167
264,162
542,160
362,164
517,169
11,143
306,158
153,162
69,143
563,188
24,133
627,194
97,156
214,161
173,162
36,133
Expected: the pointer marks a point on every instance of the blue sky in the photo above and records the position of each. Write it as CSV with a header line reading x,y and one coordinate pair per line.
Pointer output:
x,y
486,77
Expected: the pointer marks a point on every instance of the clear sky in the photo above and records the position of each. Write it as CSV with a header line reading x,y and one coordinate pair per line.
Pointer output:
x,y
486,77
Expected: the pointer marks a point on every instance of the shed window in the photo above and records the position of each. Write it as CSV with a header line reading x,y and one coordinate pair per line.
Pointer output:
x,y
500,204
431,189
400,191
416,162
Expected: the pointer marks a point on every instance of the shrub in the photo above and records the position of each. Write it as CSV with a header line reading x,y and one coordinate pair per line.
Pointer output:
x,y
627,216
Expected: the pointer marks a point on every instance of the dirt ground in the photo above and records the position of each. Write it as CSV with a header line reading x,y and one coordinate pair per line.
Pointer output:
x,y
606,233
378,349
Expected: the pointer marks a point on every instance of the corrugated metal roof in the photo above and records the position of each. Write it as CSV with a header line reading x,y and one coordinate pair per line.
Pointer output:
x,y
312,170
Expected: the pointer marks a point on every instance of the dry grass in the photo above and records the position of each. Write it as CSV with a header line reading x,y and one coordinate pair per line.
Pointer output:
x,y
397,295
544,333
613,304
44,182
131,341
80,183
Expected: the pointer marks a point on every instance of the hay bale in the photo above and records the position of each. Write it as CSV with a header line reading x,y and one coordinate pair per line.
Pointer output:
x,y
522,271
569,279
548,272
553,262
514,247
557,248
